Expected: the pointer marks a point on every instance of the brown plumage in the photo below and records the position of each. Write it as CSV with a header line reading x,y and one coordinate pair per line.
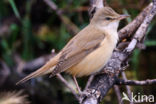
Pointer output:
x,y
89,50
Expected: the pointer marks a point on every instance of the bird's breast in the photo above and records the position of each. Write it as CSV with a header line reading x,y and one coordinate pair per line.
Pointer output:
x,y
94,61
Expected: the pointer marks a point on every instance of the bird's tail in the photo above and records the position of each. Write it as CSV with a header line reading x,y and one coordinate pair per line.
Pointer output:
x,y
47,68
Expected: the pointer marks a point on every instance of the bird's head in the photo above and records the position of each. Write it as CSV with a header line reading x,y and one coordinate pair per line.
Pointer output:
x,y
107,18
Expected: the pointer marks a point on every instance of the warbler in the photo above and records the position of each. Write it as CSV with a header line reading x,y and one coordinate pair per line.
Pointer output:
x,y
89,50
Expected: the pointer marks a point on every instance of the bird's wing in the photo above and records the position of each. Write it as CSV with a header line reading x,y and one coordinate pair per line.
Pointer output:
x,y
77,48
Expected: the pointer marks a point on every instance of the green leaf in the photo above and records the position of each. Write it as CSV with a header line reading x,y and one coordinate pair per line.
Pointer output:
x,y
13,5
150,43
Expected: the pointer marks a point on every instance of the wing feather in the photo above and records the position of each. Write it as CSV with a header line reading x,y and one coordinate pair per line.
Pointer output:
x,y
78,48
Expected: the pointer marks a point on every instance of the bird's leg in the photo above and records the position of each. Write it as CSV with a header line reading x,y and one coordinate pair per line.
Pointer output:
x,y
77,86
90,79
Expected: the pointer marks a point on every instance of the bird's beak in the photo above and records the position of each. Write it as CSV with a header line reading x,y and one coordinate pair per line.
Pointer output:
x,y
123,16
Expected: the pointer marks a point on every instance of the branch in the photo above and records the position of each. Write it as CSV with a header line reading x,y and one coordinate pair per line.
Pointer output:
x,y
117,92
127,87
103,82
71,27
95,4
140,33
136,83
59,76
128,30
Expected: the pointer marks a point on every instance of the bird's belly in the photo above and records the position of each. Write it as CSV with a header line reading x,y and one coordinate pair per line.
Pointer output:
x,y
92,63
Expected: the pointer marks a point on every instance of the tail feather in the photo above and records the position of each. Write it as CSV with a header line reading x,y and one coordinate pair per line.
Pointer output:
x,y
47,68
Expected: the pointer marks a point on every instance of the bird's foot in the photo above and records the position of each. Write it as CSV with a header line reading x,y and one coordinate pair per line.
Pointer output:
x,y
89,92
83,95
125,66
78,90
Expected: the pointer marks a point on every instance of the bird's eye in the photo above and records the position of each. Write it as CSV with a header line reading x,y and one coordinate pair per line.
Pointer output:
x,y
107,18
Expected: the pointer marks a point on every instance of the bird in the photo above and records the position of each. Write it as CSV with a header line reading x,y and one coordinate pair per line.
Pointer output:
x,y
88,51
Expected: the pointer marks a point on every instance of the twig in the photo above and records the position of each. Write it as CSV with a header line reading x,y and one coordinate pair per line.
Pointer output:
x,y
131,27
36,63
99,4
59,76
104,82
117,92
95,4
51,4
69,24
136,83
140,33
105,2
127,87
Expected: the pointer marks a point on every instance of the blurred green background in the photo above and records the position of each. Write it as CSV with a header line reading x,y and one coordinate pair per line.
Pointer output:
x,y
30,29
